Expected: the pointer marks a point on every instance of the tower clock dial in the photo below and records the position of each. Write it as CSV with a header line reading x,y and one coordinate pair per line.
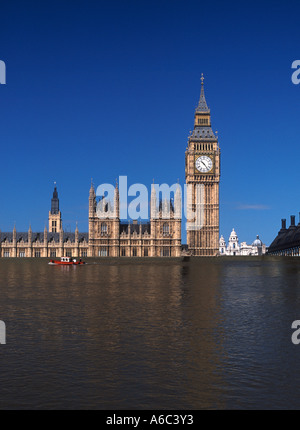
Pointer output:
x,y
204,164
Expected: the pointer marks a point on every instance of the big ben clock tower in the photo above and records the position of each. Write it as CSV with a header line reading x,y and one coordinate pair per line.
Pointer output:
x,y
202,173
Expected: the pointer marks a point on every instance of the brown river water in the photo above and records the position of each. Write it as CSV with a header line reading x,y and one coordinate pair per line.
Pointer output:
x,y
150,334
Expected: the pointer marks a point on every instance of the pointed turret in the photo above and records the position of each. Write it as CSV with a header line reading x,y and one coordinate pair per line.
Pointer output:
x,y
153,203
165,212
55,222
14,250
61,236
202,124
92,201
76,233
117,202
45,234
202,105
177,203
92,190
55,202
29,234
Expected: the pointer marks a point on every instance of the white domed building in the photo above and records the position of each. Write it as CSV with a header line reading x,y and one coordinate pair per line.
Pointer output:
x,y
235,248
222,246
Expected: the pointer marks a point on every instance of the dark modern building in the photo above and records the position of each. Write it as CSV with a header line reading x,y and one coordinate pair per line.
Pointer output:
x,y
287,242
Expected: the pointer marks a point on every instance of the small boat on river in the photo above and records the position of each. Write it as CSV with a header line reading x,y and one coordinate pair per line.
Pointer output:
x,y
66,261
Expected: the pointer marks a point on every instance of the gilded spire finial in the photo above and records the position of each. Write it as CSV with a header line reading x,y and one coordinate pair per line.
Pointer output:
x,y
202,78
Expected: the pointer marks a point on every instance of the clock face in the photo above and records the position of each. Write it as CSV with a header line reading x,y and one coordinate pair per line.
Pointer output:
x,y
204,164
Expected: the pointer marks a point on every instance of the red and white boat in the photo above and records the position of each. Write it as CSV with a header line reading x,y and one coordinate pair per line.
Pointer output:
x,y
66,261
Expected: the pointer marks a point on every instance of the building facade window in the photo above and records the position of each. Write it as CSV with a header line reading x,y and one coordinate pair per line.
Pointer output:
x,y
134,252
166,229
103,252
6,254
52,253
37,253
123,252
68,253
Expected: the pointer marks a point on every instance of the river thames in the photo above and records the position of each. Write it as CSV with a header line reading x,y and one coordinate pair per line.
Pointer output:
x,y
150,334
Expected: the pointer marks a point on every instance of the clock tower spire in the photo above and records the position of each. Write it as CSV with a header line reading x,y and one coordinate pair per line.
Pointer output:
x,y
202,172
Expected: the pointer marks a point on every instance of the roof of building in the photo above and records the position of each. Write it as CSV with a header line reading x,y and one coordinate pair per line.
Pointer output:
x,y
233,233
257,242
202,105
203,133
286,238
39,236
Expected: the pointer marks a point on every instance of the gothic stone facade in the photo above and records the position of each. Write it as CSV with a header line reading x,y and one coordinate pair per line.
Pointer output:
x,y
161,236
52,242
107,236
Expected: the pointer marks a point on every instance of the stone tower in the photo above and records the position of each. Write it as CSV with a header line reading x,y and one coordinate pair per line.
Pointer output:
x,y
92,215
202,173
165,222
55,223
104,225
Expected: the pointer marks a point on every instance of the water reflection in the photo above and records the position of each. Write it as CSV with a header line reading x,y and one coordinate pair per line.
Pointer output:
x,y
208,333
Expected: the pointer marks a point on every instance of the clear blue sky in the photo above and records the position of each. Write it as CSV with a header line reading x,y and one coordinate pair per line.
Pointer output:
x,y
107,88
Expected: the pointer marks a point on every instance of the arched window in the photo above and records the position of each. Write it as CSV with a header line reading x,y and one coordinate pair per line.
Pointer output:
x,y
103,227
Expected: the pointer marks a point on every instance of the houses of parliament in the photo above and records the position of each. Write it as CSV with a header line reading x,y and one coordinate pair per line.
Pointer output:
x,y
108,236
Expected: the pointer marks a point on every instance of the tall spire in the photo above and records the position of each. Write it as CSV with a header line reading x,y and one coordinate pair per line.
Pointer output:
x,y
117,201
202,123
153,202
92,189
55,201
202,105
